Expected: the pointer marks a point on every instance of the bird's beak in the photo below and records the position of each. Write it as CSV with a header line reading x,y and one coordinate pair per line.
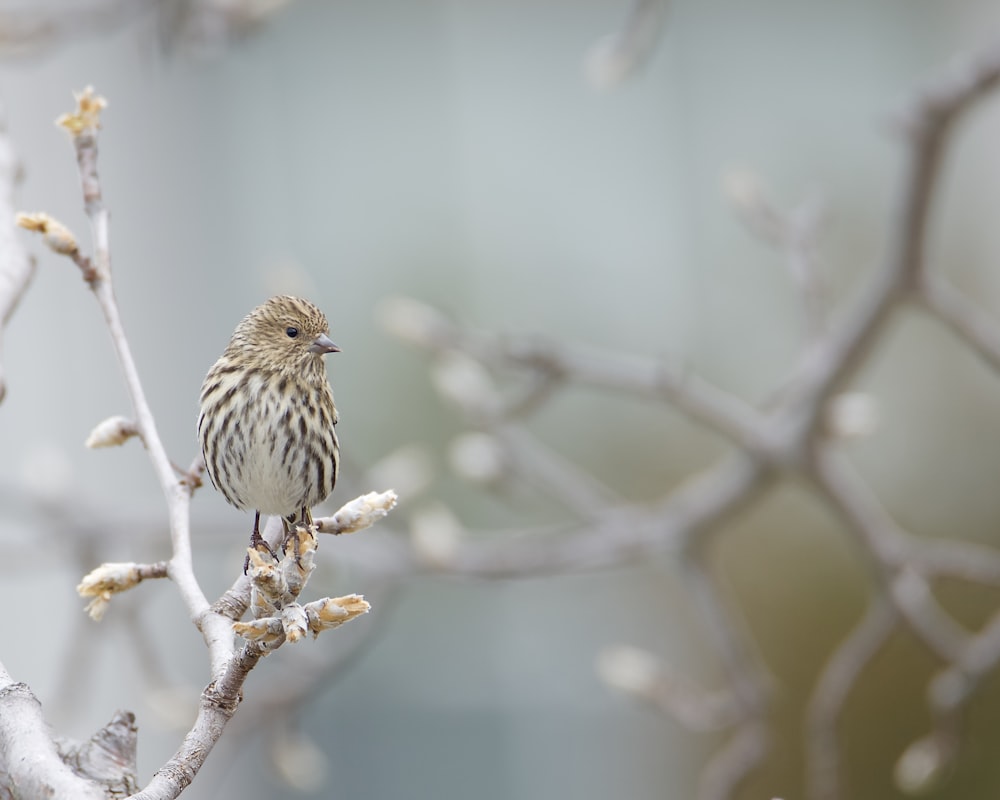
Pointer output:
x,y
323,345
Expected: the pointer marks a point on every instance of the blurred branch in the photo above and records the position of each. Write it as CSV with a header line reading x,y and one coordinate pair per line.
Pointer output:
x,y
796,437
623,536
749,683
838,678
27,32
206,25
794,233
926,124
619,55
16,267
966,320
562,364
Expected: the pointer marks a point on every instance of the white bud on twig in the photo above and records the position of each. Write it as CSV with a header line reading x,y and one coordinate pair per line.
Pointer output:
x,y
268,582
852,415
362,512
47,473
266,631
616,57
410,469
413,322
112,432
299,560
294,622
462,380
435,533
300,762
56,236
331,612
111,578
477,457
743,189
921,766
630,670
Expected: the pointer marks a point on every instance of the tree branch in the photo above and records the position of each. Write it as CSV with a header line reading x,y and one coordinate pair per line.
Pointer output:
x,y
16,267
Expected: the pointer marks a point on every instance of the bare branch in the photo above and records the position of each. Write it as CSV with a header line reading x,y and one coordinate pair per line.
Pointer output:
x,y
83,124
823,769
218,704
624,536
16,267
627,374
828,365
960,315
107,757
619,55
888,549
750,685
30,763
732,764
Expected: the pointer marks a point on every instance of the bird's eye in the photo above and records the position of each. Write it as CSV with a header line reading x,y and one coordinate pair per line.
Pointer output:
x,y
292,332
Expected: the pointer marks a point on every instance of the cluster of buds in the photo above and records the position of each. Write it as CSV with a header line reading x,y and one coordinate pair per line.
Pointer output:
x,y
276,585
87,116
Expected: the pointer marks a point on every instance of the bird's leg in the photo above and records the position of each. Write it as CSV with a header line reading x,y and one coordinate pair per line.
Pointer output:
x,y
258,542
307,520
304,518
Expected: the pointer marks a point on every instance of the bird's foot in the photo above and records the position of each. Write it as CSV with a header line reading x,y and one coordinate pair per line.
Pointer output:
x,y
293,536
258,542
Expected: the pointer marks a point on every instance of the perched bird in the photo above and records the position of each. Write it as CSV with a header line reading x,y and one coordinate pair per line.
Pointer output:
x,y
267,417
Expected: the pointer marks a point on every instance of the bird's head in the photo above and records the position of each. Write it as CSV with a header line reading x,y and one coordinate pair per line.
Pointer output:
x,y
284,333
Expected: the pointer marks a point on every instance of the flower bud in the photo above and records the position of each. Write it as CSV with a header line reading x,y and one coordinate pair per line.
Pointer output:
x,y
477,457
462,380
294,622
436,534
410,469
852,415
87,115
300,761
330,612
104,581
630,670
56,236
362,512
111,432
413,322
921,766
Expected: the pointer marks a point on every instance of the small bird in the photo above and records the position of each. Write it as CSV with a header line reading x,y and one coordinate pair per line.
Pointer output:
x,y
267,417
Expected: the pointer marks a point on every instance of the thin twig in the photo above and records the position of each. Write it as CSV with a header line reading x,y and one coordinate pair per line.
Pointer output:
x,y
963,317
887,547
838,678
215,629
16,267
827,366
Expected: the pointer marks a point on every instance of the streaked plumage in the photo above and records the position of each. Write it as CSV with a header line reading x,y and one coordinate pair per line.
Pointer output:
x,y
267,417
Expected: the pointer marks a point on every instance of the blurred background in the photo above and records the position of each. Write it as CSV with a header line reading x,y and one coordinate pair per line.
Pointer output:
x,y
484,158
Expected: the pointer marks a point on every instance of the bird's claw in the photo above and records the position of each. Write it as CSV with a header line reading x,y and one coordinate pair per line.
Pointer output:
x,y
293,535
258,542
